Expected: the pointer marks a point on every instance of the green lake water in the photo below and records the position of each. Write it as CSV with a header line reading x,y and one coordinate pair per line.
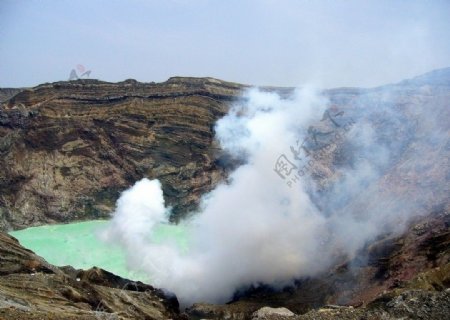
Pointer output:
x,y
77,244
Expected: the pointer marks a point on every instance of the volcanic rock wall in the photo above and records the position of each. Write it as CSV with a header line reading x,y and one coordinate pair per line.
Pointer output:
x,y
68,148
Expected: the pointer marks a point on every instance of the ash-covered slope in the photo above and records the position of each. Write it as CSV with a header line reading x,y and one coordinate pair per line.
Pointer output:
x,y
410,142
68,148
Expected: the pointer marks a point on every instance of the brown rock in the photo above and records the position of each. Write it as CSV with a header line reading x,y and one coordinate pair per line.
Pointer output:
x,y
30,288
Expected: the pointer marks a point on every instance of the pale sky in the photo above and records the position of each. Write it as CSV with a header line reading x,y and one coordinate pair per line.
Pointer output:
x,y
267,42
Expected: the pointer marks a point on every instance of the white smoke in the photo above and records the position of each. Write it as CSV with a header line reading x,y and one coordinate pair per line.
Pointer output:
x,y
254,228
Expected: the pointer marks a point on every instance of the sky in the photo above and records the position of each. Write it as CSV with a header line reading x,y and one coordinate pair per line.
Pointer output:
x,y
266,42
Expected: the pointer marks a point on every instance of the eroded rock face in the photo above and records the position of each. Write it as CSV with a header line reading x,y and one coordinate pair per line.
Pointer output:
x,y
67,149
31,288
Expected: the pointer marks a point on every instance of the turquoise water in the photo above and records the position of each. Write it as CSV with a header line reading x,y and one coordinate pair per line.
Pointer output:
x,y
77,244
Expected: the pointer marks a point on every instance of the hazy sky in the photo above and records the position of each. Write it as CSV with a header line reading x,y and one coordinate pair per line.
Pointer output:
x,y
285,43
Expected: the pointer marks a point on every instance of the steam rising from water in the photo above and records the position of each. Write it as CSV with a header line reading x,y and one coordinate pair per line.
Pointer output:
x,y
254,229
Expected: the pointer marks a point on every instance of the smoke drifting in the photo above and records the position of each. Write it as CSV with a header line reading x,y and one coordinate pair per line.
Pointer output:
x,y
255,228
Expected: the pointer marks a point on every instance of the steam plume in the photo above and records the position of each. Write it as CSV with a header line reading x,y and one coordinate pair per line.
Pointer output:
x,y
255,228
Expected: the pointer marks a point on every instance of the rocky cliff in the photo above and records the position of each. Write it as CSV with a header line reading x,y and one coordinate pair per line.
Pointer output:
x,y
68,148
